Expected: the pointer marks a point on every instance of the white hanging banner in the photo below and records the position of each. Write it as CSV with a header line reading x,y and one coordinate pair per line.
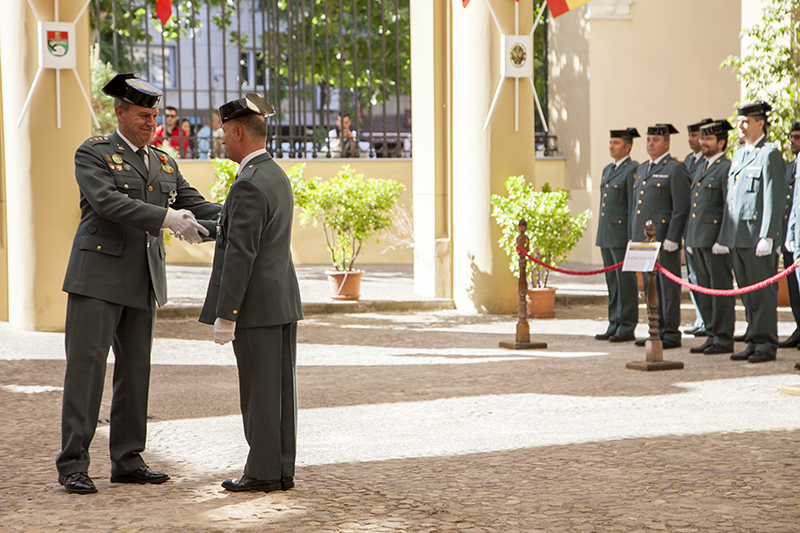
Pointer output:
x,y
57,45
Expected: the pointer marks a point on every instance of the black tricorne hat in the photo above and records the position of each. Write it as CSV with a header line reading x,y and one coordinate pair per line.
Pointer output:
x,y
795,126
661,129
132,89
694,128
251,104
627,133
756,108
719,127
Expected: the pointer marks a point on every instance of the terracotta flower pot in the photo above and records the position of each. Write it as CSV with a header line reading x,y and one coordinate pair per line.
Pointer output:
x,y
541,302
345,285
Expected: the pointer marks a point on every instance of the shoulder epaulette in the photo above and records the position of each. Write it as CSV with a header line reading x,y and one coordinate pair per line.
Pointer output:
x,y
97,140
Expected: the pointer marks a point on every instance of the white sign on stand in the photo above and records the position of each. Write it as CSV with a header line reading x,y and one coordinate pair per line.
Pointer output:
x,y
641,256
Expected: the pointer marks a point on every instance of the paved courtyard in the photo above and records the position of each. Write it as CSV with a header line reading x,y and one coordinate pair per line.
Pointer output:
x,y
418,421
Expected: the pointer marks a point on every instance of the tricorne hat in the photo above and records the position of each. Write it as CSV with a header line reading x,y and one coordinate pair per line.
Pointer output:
x,y
755,108
719,127
131,88
694,128
661,129
251,104
627,133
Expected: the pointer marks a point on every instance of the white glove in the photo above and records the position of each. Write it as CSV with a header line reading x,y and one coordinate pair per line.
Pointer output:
x,y
184,226
790,246
689,250
764,247
669,246
224,330
718,249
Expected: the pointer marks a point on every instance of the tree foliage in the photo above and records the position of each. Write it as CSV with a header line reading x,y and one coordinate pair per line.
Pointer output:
x,y
770,70
553,231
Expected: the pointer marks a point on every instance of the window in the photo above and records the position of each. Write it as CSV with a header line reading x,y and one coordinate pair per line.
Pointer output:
x,y
157,68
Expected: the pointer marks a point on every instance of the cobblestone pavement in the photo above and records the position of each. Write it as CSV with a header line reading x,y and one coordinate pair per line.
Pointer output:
x,y
418,422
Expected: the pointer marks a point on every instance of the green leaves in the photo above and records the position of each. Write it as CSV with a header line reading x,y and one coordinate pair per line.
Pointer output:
x,y
352,210
226,171
552,230
770,70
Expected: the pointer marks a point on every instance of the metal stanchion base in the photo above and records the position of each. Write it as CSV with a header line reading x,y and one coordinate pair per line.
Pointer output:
x,y
654,365
524,345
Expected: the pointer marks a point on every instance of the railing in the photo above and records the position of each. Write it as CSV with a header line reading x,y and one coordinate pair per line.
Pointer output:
x,y
312,59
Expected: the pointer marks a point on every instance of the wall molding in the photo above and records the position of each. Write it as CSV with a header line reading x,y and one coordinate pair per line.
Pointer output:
x,y
609,10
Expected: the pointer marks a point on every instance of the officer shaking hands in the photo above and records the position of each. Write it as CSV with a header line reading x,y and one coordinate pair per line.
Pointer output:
x,y
115,277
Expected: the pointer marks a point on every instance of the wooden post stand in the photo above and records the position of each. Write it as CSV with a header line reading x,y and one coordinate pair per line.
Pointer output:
x,y
654,350
523,340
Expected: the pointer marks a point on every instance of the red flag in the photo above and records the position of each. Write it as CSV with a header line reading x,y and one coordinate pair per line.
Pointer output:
x,y
164,10
559,7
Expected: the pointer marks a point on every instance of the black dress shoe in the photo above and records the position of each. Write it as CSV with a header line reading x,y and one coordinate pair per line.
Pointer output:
x,y
743,356
718,348
739,338
797,366
668,345
760,357
253,485
701,348
622,337
78,483
604,336
791,342
287,483
640,342
143,474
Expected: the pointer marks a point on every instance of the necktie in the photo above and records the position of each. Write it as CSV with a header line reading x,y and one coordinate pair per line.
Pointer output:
x,y
141,153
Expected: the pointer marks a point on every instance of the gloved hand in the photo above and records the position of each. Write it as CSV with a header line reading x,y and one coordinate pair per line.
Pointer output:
x,y
718,249
669,246
689,250
790,246
224,330
184,226
764,247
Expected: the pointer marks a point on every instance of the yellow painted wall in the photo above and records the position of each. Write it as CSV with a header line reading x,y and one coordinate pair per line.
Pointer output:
x,y
308,243
659,66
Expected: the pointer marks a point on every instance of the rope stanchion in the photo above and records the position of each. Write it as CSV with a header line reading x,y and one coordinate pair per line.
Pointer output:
x,y
571,272
727,292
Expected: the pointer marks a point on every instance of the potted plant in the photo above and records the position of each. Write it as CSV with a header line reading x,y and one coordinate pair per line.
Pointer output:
x,y
552,232
352,211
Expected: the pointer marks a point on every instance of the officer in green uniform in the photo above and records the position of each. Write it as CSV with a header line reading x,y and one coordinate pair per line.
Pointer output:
x,y
115,277
253,297
712,262
693,161
793,229
788,256
752,228
661,194
616,191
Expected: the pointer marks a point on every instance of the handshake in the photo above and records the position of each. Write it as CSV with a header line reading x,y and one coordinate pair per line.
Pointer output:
x,y
184,225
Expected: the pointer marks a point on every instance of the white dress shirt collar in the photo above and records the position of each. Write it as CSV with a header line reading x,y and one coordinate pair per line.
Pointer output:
x,y
249,157
618,163
658,160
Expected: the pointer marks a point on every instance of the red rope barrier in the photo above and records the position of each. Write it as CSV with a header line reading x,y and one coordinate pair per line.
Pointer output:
x,y
573,272
727,292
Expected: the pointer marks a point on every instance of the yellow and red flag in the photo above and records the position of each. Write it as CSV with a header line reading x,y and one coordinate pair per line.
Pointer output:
x,y
559,7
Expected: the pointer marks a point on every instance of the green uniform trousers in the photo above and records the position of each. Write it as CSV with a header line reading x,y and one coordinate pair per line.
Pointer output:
x,y
267,362
623,294
762,305
715,272
92,327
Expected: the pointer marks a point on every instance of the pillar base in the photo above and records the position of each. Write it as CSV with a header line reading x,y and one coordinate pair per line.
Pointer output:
x,y
654,365
524,345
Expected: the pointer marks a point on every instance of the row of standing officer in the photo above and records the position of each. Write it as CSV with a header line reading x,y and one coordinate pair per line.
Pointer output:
x,y
728,214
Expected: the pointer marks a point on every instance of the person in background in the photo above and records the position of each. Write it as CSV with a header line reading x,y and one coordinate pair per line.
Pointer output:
x,y
169,132
204,136
616,190
343,141
693,161
753,228
188,150
788,257
712,262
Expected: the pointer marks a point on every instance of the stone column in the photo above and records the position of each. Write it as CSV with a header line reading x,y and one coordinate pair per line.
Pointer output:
x,y
41,195
456,62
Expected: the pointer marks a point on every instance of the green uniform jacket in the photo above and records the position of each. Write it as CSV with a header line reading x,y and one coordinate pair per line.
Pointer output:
x,y
691,164
616,190
791,170
118,251
709,189
253,280
756,193
661,195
